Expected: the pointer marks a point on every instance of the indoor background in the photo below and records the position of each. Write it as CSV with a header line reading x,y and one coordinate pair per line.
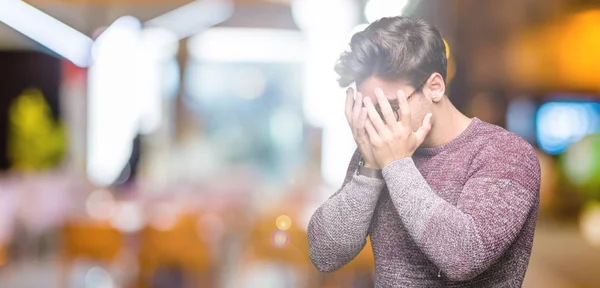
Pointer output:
x,y
177,143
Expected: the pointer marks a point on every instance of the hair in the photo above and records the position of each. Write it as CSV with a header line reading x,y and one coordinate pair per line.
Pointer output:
x,y
393,49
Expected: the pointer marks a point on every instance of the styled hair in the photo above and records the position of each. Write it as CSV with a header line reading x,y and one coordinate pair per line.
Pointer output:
x,y
393,49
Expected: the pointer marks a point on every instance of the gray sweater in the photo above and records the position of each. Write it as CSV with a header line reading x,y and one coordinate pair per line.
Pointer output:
x,y
459,215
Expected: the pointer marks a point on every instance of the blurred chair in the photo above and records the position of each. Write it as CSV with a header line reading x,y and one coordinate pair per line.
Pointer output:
x,y
271,248
178,248
3,256
96,241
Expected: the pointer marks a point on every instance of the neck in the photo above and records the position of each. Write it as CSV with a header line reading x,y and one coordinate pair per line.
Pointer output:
x,y
447,124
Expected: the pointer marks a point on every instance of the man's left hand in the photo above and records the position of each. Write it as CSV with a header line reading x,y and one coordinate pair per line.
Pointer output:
x,y
393,139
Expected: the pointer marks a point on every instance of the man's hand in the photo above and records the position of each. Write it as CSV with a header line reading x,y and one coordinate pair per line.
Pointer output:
x,y
356,115
393,139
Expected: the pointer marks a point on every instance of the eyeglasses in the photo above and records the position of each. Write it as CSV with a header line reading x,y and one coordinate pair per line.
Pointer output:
x,y
395,105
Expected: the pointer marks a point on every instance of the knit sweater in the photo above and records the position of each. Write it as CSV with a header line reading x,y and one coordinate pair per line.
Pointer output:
x,y
459,215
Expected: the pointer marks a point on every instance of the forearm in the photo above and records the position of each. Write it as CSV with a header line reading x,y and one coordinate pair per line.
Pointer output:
x,y
338,229
461,240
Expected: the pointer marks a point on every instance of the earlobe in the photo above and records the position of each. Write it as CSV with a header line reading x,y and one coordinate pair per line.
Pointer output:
x,y
438,94
437,87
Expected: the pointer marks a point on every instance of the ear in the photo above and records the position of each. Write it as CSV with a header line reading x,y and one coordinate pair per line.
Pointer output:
x,y
435,87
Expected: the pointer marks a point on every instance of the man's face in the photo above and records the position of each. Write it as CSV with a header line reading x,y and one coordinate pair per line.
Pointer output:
x,y
420,104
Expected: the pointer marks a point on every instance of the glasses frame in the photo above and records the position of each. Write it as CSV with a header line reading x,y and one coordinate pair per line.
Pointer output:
x,y
394,103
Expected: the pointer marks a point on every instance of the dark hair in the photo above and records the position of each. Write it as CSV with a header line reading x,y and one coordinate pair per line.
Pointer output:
x,y
393,48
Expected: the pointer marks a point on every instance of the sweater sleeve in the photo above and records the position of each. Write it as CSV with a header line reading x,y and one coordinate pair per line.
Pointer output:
x,y
338,229
466,239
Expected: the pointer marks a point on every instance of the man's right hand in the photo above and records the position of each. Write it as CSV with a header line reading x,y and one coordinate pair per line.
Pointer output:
x,y
357,116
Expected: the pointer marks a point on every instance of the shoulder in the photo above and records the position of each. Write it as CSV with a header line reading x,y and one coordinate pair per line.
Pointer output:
x,y
505,154
498,142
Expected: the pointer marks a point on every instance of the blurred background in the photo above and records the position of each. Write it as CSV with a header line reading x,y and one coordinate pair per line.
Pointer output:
x,y
177,143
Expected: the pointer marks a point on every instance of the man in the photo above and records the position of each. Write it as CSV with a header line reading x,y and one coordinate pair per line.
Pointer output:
x,y
446,200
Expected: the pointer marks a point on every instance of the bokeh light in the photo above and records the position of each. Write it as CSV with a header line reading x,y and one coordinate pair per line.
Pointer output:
x,y
100,204
589,223
163,216
98,278
376,9
581,164
283,222
128,217
280,239
559,124
578,163
520,118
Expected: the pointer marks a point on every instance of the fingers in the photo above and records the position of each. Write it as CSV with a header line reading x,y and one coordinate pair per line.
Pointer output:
x,y
422,132
404,112
349,105
356,111
374,117
372,132
386,109
361,133
361,122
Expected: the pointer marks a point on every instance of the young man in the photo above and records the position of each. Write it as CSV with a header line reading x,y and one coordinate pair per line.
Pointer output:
x,y
446,200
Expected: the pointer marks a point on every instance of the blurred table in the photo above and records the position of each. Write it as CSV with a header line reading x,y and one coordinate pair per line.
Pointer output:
x,y
562,259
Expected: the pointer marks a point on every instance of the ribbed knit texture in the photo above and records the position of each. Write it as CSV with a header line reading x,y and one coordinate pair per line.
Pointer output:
x,y
459,215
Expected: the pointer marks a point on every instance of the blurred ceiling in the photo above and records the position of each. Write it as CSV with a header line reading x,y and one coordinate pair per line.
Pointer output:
x,y
133,2
524,44
89,15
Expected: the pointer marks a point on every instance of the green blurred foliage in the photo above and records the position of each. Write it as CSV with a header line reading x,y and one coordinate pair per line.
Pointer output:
x,y
36,141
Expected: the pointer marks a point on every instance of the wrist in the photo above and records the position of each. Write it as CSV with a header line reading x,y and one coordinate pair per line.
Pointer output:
x,y
390,161
369,171
371,166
